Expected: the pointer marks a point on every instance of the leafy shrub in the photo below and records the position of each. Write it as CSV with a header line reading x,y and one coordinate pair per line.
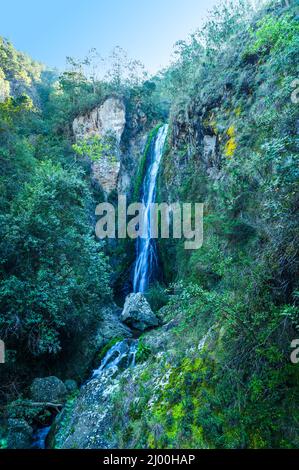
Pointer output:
x,y
53,270
143,351
274,34
156,296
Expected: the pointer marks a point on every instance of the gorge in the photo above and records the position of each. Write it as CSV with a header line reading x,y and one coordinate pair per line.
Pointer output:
x,y
125,343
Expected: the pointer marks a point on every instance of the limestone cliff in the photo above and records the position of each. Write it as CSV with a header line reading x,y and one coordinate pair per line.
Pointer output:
x,y
109,118
129,134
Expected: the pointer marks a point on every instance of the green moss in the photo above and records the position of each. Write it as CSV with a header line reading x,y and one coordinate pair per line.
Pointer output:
x,y
178,405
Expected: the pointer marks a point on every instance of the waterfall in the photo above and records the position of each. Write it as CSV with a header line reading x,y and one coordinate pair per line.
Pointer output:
x,y
120,355
146,259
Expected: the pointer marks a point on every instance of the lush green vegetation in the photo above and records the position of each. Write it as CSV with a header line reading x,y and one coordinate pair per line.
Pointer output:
x,y
54,274
18,66
238,388
231,85
248,265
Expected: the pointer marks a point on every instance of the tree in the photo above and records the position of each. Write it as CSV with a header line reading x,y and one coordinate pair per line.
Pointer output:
x,y
123,71
54,273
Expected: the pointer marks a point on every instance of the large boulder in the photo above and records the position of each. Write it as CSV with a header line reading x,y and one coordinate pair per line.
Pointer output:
x,y
111,326
137,312
48,389
19,434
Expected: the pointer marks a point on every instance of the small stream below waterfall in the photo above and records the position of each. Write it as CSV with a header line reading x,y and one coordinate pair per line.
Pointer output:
x,y
121,355
39,437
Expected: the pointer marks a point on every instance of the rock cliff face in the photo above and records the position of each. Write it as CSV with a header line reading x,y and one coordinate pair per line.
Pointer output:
x,y
109,118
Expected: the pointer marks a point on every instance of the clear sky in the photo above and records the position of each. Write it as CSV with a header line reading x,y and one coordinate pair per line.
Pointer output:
x,y
50,30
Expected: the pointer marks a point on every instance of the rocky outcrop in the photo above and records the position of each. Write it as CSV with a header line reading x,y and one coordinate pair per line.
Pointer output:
x,y
130,136
19,434
107,119
137,312
48,390
86,424
111,326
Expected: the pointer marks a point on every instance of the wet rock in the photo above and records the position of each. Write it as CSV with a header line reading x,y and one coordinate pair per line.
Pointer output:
x,y
19,434
86,423
209,149
48,389
81,355
137,312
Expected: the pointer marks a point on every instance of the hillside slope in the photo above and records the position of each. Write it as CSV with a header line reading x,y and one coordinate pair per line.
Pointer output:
x,y
218,372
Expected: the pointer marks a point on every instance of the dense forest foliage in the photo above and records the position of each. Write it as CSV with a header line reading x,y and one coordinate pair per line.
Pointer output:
x,y
233,83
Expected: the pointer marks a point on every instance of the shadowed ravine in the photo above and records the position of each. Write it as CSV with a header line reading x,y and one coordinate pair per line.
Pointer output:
x,y
122,355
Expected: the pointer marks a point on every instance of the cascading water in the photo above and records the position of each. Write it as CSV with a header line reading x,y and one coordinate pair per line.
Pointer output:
x,y
39,437
146,260
120,355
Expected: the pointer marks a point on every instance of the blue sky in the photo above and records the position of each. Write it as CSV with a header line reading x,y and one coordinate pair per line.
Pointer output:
x,y
51,30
